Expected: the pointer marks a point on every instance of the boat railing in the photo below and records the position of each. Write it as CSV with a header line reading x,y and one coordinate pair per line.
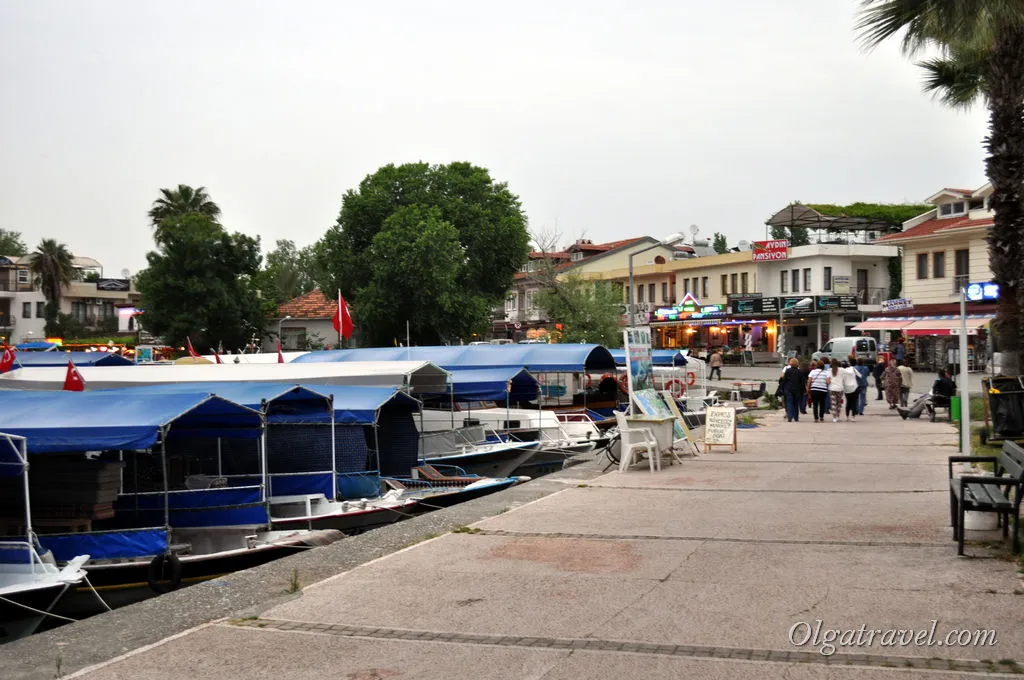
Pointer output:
x,y
9,550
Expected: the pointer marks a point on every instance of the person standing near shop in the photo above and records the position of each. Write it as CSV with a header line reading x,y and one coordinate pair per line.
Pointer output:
x,y
792,390
715,362
805,372
899,350
879,369
836,390
906,382
891,382
863,373
851,389
817,387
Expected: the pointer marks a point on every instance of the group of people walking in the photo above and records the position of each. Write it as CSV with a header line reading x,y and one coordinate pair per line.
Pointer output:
x,y
826,386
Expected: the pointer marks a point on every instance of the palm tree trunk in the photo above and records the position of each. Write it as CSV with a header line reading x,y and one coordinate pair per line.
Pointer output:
x,y
1005,169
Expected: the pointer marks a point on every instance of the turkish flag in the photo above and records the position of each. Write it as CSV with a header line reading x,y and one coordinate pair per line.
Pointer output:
x,y
191,350
342,320
73,382
6,359
280,355
217,357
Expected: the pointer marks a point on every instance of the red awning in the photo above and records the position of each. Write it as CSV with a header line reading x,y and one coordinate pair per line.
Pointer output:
x,y
893,324
945,326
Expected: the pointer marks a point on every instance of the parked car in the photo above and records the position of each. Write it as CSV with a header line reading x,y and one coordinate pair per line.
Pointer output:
x,y
841,348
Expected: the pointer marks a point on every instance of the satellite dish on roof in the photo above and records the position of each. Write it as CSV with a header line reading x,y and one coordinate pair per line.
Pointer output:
x,y
693,230
125,273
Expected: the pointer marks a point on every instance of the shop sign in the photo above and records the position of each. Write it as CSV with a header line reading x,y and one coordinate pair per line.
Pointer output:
x,y
742,296
754,305
978,292
956,331
769,251
688,304
790,304
841,285
708,311
828,303
897,305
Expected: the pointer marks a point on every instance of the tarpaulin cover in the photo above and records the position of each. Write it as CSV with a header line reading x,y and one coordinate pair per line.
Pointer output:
x,y
286,403
536,358
196,508
11,462
659,357
29,346
493,384
96,421
105,545
293,485
79,359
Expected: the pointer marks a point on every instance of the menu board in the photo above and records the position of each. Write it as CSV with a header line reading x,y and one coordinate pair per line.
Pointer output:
x,y
720,427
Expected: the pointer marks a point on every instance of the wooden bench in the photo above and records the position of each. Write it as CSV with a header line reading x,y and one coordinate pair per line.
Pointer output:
x,y
1000,493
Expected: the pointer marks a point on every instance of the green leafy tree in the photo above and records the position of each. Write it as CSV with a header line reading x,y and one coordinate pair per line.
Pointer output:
x,y
980,45
287,273
11,243
797,236
588,311
201,284
180,202
458,203
720,244
53,270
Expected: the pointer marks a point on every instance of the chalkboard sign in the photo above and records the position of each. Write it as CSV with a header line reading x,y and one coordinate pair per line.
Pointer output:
x,y
719,427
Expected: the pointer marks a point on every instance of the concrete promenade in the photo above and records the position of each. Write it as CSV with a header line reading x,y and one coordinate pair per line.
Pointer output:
x,y
706,569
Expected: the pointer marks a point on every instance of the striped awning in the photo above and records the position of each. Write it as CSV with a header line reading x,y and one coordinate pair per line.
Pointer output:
x,y
946,325
891,323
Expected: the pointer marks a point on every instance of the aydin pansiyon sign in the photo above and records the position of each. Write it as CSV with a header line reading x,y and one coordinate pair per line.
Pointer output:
x,y
768,251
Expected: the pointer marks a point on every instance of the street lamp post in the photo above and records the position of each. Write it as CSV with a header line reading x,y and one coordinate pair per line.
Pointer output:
x,y
781,336
671,241
279,338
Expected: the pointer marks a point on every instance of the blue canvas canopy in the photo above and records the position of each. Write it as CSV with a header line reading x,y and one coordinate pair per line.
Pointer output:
x,y
79,358
94,421
538,358
290,403
12,464
493,384
659,357
45,346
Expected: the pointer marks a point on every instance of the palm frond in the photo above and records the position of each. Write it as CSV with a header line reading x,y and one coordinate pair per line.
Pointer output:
x,y
938,23
956,82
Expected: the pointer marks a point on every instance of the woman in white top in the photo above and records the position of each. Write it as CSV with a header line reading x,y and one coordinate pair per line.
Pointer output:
x,y
836,391
817,387
850,388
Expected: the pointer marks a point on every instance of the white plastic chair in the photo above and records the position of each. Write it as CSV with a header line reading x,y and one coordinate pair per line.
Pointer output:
x,y
635,440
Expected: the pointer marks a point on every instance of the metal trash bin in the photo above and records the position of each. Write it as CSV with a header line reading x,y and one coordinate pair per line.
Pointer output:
x,y
1004,401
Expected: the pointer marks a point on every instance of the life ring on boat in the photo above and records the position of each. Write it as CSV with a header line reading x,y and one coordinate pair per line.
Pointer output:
x,y
623,381
691,378
164,573
676,387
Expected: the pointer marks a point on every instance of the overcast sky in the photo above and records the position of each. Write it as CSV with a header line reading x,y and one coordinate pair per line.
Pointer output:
x,y
608,122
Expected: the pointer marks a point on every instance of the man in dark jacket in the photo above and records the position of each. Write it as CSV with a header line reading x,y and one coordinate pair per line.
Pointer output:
x,y
879,369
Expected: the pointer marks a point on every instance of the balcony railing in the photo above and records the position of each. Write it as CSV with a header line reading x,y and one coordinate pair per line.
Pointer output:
x,y
871,296
10,286
6,320
960,281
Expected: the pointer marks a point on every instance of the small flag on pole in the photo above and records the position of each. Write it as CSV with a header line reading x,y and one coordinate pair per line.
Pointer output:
x,y
280,354
342,320
73,381
216,357
191,350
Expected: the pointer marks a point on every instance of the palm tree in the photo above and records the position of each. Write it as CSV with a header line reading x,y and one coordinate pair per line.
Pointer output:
x,y
980,45
181,201
53,269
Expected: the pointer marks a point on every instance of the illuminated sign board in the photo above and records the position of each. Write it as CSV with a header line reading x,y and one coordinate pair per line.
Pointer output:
x,y
769,251
978,292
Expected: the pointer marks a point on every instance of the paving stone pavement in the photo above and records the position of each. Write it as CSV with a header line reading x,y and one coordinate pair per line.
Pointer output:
x,y
708,569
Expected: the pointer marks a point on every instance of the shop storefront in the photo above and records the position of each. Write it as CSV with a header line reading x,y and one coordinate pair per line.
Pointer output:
x,y
933,342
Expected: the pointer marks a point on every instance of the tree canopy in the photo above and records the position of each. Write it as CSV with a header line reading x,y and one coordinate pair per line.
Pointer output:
x,y
287,273
179,202
587,311
437,245
797,236
11,243
53,269
720,243
200,283
893,213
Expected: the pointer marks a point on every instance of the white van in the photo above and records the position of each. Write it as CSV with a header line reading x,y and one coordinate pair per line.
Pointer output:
x,y
841,348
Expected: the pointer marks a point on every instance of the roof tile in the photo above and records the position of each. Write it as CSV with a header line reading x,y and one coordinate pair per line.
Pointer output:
x,y
311,305
936,225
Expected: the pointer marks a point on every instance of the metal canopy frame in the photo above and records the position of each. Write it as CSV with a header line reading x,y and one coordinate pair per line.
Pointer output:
x,y
804,217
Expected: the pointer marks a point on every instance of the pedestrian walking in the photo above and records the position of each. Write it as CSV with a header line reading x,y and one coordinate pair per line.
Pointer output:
x,y
891,383
851,396
805,371
877,372
792,390
899,350
906,382
836,390
715,362
863,372
817,387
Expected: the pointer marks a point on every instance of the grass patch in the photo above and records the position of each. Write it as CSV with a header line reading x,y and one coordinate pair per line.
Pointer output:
x,y
294,585
466,530
749,419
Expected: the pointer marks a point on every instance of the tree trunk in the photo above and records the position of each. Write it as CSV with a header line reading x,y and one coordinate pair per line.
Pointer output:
x,y
1005,168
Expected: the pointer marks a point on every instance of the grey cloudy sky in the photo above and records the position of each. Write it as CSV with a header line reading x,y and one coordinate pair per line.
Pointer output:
x,y
608,120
